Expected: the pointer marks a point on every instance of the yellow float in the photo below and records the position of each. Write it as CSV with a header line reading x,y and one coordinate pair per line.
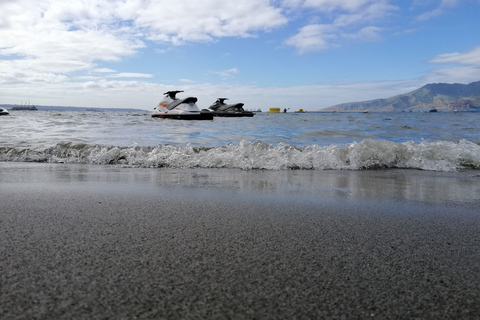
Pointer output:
x,y
274,110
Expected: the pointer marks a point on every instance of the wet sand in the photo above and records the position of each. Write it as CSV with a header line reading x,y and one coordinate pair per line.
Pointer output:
x,y
96,242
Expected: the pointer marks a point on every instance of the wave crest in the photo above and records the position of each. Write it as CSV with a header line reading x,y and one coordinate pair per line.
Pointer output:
x,y
246,155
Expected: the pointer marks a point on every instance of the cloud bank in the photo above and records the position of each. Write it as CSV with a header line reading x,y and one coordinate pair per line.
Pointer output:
x,y
58,49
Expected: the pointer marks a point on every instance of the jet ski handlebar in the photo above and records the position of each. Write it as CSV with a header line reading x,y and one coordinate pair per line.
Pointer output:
x,y
172,94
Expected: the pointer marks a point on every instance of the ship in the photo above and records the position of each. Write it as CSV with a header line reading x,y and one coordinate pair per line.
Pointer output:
x,y
24,108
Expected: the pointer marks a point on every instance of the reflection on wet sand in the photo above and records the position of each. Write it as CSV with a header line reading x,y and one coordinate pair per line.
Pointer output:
x,y
406,185
378,185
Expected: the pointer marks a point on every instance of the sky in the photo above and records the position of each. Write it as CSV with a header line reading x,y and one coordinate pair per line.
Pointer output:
x,y
308,54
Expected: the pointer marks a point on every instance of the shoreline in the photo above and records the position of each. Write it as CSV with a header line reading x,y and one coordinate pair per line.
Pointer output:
x,y
83,241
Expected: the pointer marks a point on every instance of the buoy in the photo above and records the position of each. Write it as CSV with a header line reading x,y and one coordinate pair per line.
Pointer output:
x,y
274,110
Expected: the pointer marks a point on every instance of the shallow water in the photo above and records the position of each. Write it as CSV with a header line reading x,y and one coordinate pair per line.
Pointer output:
x,y
391,189
319,141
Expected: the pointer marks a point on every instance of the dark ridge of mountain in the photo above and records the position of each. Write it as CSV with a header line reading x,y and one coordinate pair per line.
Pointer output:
x,y
440,96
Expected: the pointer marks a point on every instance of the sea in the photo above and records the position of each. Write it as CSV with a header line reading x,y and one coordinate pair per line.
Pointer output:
x,y
432,141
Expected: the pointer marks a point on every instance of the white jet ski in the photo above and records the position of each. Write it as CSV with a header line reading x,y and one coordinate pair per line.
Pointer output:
x,y
221,109
183,109
4,112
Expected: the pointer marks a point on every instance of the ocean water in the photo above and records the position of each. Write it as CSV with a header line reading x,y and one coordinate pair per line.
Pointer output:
x,y
442,141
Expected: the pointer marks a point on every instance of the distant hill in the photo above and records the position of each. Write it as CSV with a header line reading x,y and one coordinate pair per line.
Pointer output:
x,y
64,108
440,96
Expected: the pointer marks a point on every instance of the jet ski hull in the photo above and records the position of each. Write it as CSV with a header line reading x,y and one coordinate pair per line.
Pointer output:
x,y
184,116
233,114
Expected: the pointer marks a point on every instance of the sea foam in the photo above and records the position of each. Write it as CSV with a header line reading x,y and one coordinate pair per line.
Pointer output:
x,y
247,155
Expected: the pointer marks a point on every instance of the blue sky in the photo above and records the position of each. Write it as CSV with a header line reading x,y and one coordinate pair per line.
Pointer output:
x,y
308,54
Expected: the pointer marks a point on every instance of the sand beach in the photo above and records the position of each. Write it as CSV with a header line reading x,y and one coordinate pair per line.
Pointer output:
x,y
104,242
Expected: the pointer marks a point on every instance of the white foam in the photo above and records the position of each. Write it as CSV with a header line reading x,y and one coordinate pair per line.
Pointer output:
x,y
367,154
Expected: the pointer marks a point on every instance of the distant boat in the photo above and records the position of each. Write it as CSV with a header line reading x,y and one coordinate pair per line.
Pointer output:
x,y
4,112
24,108
433,110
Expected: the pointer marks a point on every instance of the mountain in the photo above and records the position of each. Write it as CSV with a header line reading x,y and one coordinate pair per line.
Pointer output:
x,y
440,96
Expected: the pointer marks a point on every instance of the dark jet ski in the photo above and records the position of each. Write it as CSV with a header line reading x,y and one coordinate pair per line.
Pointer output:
x,y
221,109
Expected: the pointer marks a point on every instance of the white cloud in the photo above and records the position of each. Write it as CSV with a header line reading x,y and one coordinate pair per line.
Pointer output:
x,y
131,75
43,65
61,37
103,70
33,78
68,36
314,37
328,5
468,72
370,33
185,20
62,43
350,20
453,75
227,73
114,85
471,57
375,11
55,29
444,4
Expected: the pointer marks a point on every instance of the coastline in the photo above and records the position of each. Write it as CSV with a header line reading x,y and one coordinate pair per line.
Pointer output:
x,y
83,241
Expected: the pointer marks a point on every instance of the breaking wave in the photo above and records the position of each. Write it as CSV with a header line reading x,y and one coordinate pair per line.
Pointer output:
x,y
367,154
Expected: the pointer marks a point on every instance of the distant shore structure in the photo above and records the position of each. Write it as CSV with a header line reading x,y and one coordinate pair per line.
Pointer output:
x,y
332,111
278,110
347,111
24,108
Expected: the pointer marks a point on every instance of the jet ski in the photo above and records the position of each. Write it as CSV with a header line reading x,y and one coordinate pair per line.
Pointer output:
x,y
221,109
4,112
172,107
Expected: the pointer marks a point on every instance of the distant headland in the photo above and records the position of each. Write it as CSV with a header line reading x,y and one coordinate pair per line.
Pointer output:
x,y
65,108
435,96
